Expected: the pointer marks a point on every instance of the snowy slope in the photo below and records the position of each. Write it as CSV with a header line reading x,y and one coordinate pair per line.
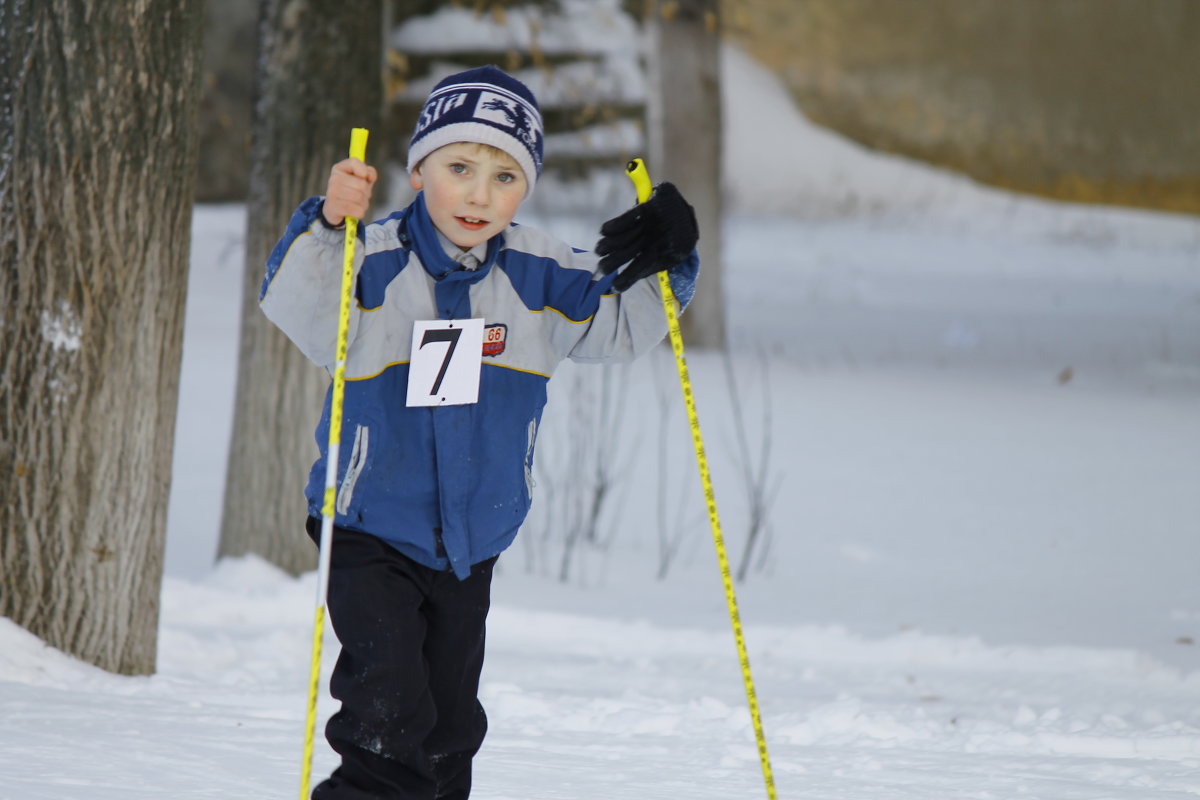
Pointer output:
x,y
606,708
981,578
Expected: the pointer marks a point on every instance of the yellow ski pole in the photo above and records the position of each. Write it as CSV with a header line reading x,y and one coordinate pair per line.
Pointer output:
x,y
636,170
358,149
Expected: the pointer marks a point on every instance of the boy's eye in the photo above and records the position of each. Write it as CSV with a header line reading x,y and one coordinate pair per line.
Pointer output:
x,y
506,177
458,169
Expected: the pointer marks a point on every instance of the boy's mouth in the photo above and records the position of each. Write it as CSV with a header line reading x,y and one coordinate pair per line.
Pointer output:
x,y
472,223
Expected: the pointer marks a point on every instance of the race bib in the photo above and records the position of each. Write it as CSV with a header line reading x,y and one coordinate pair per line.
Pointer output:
x,y
445,363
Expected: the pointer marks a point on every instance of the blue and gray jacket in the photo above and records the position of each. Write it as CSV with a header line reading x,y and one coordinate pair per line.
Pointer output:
x,y
448,486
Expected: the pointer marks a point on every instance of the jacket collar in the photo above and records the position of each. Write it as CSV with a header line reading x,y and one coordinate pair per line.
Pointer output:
x,y
433,256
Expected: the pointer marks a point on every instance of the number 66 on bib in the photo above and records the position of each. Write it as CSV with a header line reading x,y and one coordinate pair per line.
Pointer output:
x,y
445,364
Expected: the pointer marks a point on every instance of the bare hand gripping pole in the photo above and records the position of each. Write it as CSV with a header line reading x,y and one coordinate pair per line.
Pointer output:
x,y
636,170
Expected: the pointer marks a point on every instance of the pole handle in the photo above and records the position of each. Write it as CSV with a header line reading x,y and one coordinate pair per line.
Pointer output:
x,y
358,143
637,172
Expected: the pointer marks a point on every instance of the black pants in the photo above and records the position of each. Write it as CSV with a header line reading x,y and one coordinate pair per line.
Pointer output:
x,y
408,674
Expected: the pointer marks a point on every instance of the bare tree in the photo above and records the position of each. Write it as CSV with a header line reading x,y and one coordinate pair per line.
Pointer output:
x,y
677,490
97,169
685,131
318,76
580,470
761,481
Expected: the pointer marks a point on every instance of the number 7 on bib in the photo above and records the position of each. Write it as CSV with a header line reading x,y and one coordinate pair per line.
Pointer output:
x,y
445,363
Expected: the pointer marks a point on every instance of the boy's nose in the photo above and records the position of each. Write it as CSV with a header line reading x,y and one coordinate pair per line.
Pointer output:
x,y
478,193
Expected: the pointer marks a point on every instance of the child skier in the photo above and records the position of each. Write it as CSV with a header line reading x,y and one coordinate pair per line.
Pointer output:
x,y
459,319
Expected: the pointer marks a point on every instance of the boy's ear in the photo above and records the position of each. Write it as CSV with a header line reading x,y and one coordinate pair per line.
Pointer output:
x,y
415,180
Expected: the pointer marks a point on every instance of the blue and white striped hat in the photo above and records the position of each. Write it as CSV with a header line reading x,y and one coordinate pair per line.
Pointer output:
x,y
485,105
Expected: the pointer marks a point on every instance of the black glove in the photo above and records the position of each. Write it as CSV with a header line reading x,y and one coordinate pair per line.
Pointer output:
x,y
654,235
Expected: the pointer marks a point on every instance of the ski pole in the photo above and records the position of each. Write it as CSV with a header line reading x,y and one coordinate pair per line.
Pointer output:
x,y
636,170
358,149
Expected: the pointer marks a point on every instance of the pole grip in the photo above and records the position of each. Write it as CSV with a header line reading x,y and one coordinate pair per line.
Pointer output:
x,y
358,143
637,172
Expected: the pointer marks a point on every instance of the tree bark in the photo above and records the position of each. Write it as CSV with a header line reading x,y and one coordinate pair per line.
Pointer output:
x,y
319,74
685,116
97,169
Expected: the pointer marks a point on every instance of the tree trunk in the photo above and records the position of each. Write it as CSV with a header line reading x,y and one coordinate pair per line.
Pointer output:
x,y
97,169
230,31
319,74
686,113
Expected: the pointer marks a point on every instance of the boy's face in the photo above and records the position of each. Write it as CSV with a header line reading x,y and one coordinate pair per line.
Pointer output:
x,y
472,192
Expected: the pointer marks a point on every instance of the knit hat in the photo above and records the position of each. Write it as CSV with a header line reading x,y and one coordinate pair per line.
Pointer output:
x,y
487,106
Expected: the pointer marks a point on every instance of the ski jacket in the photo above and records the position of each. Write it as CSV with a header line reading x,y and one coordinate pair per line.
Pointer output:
x,y
448,486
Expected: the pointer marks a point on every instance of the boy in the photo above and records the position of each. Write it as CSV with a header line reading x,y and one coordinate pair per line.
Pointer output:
x,y
459,319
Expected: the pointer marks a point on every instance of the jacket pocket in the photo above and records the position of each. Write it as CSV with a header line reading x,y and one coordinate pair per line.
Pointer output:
x,y
358,460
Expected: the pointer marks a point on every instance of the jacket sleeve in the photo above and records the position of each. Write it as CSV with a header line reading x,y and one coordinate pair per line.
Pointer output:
x,y
301,291
625,325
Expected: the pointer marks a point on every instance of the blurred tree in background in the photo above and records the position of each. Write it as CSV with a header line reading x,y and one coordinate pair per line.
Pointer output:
x,y
686,127
319,73
98,141
230,34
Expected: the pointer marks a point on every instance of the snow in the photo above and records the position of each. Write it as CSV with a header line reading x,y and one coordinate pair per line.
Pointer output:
x,y
580,27
597,29
981,574
62,329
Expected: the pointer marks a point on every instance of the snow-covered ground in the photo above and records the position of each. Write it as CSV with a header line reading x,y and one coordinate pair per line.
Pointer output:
x,y
981,580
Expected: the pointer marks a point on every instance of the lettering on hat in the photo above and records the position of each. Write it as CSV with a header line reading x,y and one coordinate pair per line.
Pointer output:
x,y
437,107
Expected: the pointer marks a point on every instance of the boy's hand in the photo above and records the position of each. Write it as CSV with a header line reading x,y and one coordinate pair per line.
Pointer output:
x,y
348,193
654,235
